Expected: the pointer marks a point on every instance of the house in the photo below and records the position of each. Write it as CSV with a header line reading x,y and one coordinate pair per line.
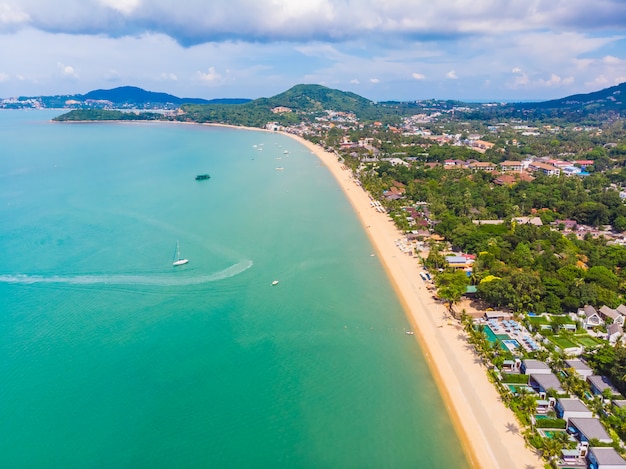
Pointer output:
x,y
516,166
535,367
591,317
585,429
459,262
482,166
570,457
614,332
543,383
619,403
567,408
605,458
547,169
579,367
528,221
544,405
599,384
609,315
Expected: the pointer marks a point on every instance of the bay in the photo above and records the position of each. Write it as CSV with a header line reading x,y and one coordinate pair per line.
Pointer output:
x,y
112,357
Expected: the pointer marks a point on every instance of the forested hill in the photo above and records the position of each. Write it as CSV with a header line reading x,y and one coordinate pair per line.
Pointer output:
x,y
137,96
613,98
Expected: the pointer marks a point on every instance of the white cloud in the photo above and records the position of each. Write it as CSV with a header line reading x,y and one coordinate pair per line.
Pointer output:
x,y
4,77
125,7
169,76
67,70
516,70
9,15
612,60
354,81
374,80
600,80
211,76
451,75
418,76
555,80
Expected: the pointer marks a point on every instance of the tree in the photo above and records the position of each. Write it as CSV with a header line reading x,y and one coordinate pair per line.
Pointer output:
x,y
452,286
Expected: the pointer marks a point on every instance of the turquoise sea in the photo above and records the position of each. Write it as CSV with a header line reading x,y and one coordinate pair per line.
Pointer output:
x,y
112,357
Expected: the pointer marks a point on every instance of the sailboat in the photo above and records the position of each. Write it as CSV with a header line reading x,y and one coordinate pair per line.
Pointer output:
x,y
177,259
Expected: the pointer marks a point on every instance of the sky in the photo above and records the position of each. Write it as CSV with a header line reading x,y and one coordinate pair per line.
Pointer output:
x,y
472,50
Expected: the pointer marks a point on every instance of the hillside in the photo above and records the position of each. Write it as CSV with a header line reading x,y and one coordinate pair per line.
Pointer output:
x,y
613,98
138,96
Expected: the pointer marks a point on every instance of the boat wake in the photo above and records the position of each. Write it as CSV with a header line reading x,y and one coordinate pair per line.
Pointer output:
x,y
118,279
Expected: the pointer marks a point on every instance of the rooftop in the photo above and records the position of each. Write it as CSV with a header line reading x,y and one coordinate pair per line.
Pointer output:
x,y
535,364
590,428
607,456
572,405
578,365
547,381
601,383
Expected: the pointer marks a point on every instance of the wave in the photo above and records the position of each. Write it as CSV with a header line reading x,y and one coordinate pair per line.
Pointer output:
x,y
119,279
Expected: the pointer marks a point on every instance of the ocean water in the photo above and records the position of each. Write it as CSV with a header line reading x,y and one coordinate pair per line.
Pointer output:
x,y
112,357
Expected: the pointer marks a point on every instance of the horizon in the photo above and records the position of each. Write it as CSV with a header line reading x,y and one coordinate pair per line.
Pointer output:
x,y
409,50
466,101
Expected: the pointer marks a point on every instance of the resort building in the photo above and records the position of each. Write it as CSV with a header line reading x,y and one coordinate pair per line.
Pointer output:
x,y
543,383
547,169
610,315
580,368
585,429
605,458
591,318
567,408
535,367
620,403
599,384
516,166
482,166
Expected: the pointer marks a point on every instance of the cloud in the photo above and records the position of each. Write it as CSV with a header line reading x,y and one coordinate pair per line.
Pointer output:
x,y
555,80
451,75
169,76
125,7
374,80
600,80
354,81
211,76
4,77
198,21
67,70
418,76
10,15
516,70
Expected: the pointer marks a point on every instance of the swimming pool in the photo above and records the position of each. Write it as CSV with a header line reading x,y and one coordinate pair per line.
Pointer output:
x,y
510,344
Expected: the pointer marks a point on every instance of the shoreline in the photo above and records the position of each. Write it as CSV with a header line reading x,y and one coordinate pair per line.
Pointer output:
x,y
488,431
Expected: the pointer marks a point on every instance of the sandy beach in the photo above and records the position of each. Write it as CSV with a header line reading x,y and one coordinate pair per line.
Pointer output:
x,y
488,430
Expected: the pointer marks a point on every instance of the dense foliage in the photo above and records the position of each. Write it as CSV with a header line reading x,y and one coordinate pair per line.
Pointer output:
x,y
106,115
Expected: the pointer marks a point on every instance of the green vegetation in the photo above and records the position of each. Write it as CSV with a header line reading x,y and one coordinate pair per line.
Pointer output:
x,y
563,342
106,115
550,423
513,378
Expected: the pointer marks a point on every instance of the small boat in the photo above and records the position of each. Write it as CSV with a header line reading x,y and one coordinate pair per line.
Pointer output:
x,y
177,259
280,168
285,152
409,332
275,282
202,177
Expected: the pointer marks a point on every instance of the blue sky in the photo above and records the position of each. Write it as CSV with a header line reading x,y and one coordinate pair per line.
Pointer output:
x,y
380,49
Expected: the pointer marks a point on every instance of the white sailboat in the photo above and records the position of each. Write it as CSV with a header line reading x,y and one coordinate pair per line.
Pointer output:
x,y
177,259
